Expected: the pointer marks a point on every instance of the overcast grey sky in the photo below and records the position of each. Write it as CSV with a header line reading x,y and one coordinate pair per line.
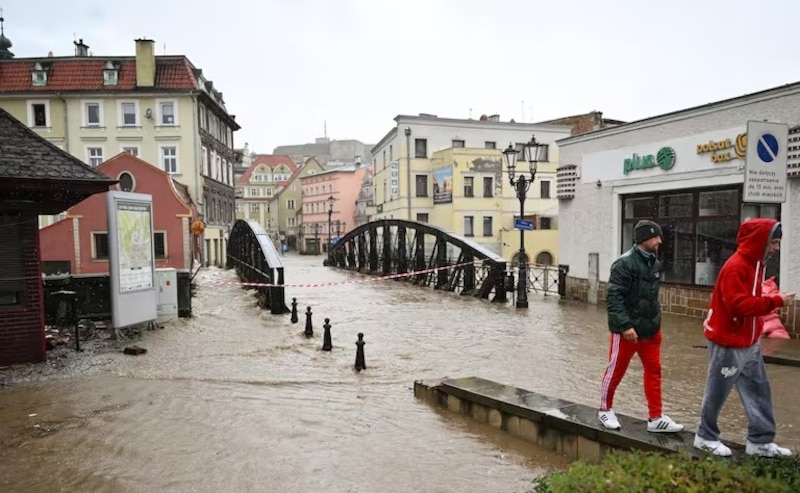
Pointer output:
x,y
286,66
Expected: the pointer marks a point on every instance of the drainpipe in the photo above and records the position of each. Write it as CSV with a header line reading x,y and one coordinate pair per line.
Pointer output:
x,y
66,122
408,170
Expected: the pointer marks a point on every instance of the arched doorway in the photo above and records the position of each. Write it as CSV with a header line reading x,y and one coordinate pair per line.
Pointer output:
x,y
515,258
544,258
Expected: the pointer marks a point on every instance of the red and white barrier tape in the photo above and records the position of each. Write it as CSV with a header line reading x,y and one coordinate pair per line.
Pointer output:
x,y
338,283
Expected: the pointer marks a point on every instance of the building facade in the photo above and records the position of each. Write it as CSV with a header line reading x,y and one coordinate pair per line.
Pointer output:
x,y
473,197
257,187
288,207
365,204
443,170
78,244
685,170
343,185
161,109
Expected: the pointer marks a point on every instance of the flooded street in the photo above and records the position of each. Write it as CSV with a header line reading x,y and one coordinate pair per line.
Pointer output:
x,y
236,399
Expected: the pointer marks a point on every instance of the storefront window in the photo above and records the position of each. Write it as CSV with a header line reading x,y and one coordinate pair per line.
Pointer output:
x,y
699,227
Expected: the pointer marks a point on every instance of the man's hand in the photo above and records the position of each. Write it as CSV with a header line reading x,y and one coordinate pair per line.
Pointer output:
x,y
787,298
630,335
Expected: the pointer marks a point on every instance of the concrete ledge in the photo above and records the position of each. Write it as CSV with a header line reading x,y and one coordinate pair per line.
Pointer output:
x,y
562,426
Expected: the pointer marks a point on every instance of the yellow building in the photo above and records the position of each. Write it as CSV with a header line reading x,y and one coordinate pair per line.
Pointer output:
x,y
288,204
257,187
450,172
158,108
472,197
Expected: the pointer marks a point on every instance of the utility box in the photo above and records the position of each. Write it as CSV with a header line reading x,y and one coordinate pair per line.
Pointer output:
x,y
167,308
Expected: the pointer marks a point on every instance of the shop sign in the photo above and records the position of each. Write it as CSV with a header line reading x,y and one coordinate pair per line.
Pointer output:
x,y
664,159
722,151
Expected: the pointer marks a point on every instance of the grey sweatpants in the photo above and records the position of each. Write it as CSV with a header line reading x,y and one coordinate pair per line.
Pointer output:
x,y
743,368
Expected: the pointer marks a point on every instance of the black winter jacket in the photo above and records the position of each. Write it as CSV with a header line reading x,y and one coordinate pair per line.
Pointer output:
x,y
632,299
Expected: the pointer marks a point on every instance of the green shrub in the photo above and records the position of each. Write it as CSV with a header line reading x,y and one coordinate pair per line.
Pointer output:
x,y
640,472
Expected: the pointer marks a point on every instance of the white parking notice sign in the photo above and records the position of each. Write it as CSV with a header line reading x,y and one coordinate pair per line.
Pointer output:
x,y
765,164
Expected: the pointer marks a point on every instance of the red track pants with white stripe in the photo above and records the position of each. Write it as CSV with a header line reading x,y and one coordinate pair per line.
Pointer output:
x,y
619,357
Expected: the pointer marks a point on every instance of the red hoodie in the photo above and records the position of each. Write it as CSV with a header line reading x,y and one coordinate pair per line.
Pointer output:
x,y
734,315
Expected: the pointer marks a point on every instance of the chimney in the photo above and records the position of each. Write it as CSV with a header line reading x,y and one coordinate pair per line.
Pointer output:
x,y
80,48
145,63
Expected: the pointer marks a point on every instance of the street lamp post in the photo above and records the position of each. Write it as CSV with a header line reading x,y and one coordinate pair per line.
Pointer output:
x,y
316,236
330,226
533,153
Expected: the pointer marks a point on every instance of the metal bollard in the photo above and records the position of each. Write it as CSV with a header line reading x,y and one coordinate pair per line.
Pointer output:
x,y
360,362
327,345
294,310
309,329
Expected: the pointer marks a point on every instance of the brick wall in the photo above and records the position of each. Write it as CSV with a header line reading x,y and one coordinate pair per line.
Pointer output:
x,y
679,300
22,329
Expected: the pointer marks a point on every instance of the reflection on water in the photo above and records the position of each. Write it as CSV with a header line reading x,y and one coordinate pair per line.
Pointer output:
x,y
237,399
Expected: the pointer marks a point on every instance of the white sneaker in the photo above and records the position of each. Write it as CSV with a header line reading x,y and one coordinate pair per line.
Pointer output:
x,y
766,449
714,446
609,419
664,424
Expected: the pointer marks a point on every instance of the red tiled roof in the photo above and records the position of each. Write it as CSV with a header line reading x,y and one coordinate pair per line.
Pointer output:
x,y
71,74
271,161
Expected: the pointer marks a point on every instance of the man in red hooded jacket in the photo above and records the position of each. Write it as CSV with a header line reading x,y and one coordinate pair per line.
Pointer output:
x,y
733,327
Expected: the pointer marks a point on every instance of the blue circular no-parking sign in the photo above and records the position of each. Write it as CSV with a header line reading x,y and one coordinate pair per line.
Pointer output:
x,y
767,148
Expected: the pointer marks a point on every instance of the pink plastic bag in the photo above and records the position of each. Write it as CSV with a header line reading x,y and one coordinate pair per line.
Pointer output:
x,y
773,327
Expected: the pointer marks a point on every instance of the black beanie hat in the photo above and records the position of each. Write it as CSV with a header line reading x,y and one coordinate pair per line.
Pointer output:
x,y
778,233
644,230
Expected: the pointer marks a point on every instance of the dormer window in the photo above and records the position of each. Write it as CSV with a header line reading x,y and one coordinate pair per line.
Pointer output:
x,y
110,74
39,75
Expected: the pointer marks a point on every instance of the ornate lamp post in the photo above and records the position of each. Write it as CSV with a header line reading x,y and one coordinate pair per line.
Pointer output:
x,y
532,152
331,200
316,236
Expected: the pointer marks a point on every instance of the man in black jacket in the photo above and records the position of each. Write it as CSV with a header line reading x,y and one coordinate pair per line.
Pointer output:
x,y
634,320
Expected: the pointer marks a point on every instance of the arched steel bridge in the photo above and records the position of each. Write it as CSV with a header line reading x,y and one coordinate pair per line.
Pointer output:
x,y
424,255
257,262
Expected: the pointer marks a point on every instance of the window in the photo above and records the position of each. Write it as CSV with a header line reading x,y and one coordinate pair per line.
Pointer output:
x,y
92,114
110,77
699,228
99,246
254,207
422,217
253,192
544,189
422,185
169,158
469,226
487,226
488,186
469,186
12,280
94,156
391,153
126,182
291,222
421,148
167,110
269,192
128,114
39,114
490,145
160,244
545,223
39,77
132,150
290,204
458,144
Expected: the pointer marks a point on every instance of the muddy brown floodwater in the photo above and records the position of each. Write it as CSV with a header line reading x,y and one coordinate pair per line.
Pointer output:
x,y
235,399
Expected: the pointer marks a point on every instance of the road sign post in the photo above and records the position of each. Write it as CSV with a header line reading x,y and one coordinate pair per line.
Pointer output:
x,y
765,163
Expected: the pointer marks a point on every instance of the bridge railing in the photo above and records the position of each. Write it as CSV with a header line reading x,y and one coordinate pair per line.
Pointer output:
x,y
256,260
